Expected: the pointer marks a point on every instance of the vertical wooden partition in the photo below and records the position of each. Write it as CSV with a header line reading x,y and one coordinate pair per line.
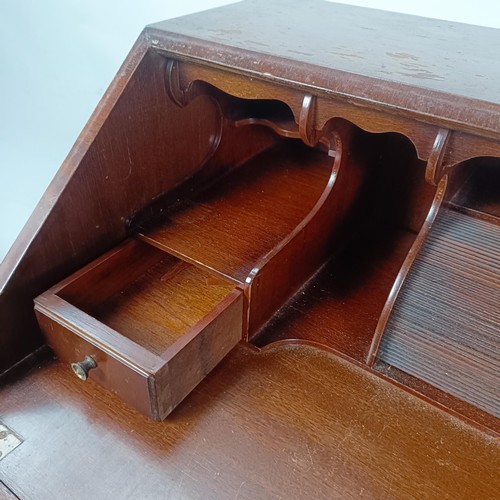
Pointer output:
x,y
384,198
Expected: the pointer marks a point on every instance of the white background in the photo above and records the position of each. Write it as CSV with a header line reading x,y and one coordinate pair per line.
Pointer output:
x,y
57,58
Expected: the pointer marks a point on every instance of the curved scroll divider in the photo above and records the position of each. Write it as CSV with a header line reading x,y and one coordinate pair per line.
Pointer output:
x,y
405,268
240,86
281,272
180,96
183,97
435,168
285,125
305,130
307,121
433,176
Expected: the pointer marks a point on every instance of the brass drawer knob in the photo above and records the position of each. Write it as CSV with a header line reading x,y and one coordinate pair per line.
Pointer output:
x,y
82,368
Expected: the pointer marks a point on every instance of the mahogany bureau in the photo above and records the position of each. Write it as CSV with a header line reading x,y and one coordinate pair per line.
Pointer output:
x,y
268,268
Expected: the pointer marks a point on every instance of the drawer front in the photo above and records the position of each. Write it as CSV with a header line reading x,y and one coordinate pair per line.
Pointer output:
x,y
128,384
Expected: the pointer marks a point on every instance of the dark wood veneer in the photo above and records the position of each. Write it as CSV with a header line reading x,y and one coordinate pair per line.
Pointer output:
x,y
305,186
291,421
134,312
230,226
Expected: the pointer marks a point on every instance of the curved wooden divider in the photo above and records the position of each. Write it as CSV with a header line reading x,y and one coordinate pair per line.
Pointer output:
x,y
280,273
410,258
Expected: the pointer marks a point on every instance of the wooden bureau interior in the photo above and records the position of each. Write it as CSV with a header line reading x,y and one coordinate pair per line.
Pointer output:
x,y
311,231
234,209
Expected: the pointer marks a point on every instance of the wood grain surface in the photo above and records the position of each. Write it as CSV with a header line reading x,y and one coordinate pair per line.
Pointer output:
x,y
153,325
290,422
347,38
235,222
340,306
387,202
123,376
437,71
420,129
160,305
440,398
355,117
116,167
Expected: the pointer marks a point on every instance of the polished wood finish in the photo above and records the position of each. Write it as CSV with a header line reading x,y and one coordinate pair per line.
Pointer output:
x,y
154,325
232,225
318,182
154,302
440,398
287,422
338,308
341,305
109,167
110,371
461,145
103,180
434,71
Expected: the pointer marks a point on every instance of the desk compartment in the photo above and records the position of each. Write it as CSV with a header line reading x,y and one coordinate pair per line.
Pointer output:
x,y
444,327
153,324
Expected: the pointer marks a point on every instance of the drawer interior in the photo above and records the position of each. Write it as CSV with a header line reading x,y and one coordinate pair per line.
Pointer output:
x,y
142,323
146,295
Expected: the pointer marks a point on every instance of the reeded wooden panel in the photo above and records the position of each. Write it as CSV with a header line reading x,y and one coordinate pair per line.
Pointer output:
x,y
444,328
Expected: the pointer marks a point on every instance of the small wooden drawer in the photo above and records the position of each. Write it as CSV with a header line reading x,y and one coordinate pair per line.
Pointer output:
x,y
149,325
